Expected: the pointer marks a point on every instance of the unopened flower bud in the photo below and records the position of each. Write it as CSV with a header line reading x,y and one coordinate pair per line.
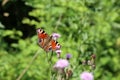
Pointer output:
x,y
68,56
89,62
84,62
93,66
93,56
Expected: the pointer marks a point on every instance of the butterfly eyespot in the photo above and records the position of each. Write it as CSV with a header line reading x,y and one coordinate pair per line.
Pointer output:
x,y
50,48
39,40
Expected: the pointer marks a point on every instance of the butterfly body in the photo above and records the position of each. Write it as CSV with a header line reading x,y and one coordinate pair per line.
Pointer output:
x,y
46,42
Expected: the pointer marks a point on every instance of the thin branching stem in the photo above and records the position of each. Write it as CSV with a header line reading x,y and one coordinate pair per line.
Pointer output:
x,y
35,56
27,67
58,21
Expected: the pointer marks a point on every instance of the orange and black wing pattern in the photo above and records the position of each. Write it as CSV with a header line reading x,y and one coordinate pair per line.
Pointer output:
x,y
46,42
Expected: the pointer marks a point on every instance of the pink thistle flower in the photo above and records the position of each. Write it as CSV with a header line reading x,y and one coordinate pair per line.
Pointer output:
x,y
61,63
58,53
86,76
56,36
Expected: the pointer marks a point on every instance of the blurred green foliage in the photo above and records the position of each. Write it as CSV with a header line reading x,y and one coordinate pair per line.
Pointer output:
x,y
86,27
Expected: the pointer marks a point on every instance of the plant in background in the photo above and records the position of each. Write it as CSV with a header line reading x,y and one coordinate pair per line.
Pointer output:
x,y
90,63
62,69
46,41
86,26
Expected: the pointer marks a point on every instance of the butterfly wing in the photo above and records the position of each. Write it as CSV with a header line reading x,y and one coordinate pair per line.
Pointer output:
x,y
47,42
42,37
55,45
52,45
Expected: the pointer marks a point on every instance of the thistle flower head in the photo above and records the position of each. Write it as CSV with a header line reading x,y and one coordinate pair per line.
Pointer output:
x,y
58,53
56,36
86,76
93,56
61,63
68,56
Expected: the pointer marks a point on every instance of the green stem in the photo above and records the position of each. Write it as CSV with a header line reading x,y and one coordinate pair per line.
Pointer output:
x,y
50,62
51,57
28,66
